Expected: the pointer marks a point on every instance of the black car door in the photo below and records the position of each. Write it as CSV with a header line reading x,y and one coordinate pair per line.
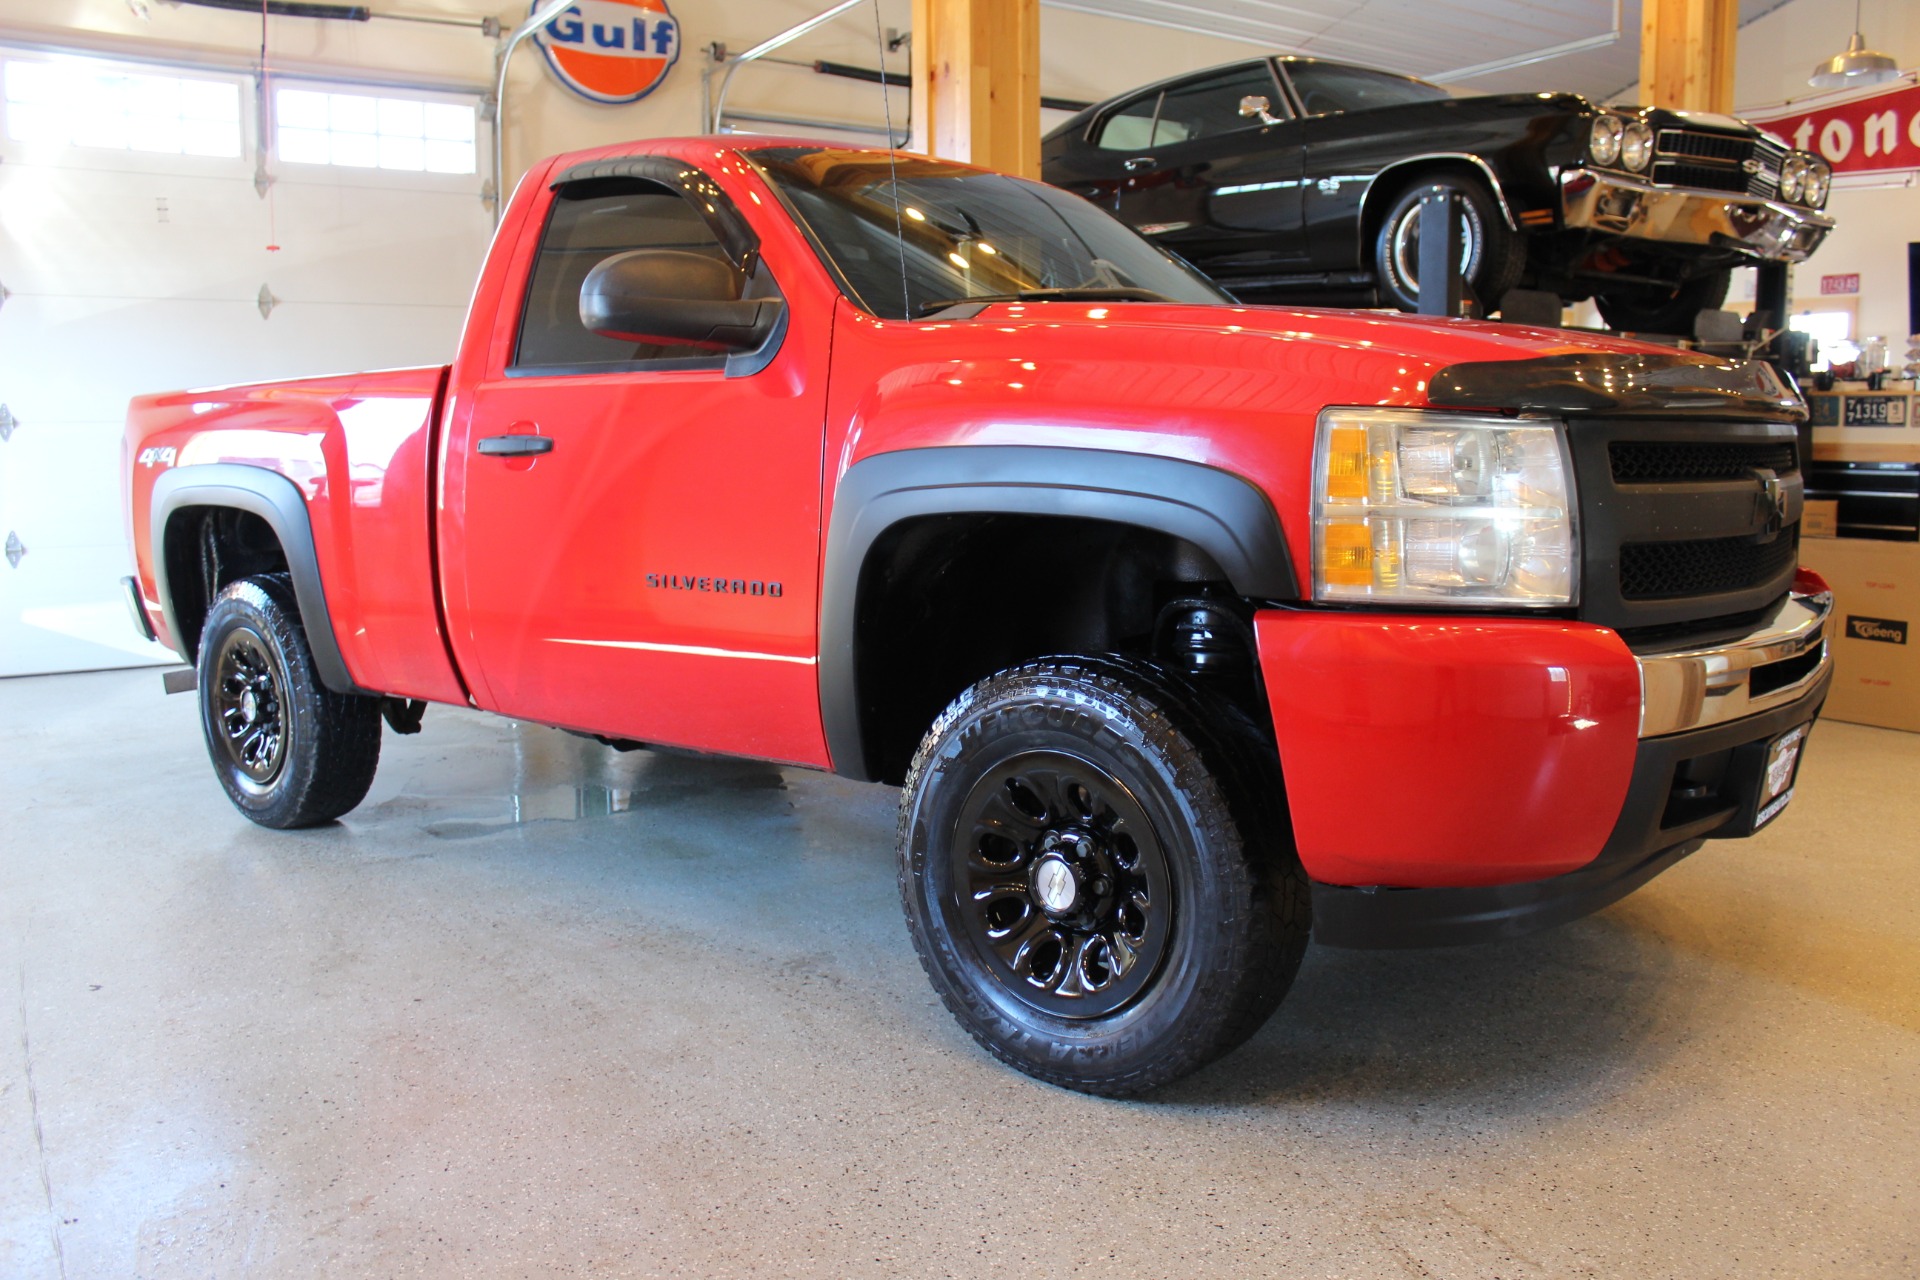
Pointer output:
x,y
1356,122
1219,179
1098,164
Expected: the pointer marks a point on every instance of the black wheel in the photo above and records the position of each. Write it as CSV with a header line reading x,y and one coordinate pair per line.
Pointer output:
x,y
1492,254
1647,309
289,751
1096,869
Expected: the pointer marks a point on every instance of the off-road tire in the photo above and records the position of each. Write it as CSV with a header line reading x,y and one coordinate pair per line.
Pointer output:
x,y
1208,785
1498,253
1645,309
328,744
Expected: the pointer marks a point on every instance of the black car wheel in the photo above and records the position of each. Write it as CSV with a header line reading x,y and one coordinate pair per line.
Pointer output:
x,y
1097,872
288,751
1647,309
1492,254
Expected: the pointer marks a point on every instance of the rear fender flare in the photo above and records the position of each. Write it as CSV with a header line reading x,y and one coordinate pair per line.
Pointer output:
x,y
1223,514
276,500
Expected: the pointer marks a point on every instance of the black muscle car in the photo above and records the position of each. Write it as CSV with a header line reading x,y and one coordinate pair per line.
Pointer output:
x,y
1297,179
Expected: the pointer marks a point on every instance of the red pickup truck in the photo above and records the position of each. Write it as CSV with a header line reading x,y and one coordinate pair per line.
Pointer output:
x,y
1189,628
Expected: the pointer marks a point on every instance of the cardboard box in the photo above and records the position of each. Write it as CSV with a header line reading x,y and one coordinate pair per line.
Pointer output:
x,y
1876,654
1820,518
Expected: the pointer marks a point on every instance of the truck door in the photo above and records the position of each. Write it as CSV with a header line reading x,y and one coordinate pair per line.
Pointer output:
x,y
630,534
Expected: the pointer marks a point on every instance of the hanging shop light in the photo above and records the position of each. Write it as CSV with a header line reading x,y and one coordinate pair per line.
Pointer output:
x,y
1856,67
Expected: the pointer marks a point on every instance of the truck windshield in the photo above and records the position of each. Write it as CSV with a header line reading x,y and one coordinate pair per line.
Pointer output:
x,y
965,235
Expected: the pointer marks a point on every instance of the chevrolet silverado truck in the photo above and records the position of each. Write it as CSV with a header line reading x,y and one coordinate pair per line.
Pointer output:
x,y
1188,629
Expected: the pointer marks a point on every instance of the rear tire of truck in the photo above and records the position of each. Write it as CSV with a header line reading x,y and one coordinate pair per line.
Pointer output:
x,y
288,751
1098,873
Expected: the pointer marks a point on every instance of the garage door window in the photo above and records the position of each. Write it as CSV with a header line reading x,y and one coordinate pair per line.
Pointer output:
x,y
361,131
81,103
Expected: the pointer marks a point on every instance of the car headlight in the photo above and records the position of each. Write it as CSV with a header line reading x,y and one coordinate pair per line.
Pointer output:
x,y
1442,509
1603,143
1636,145
1819,182
1793,175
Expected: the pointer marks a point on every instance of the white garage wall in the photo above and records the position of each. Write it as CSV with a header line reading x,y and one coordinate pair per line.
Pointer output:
x,y
134,271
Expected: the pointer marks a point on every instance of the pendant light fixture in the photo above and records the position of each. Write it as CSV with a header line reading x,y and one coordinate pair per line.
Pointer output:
x,y
1857,67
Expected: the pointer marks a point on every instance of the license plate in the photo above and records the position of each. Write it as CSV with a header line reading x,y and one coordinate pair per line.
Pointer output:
x,y
1776,788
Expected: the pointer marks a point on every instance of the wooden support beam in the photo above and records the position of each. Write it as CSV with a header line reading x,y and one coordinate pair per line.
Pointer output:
x,y
976,82
1686,53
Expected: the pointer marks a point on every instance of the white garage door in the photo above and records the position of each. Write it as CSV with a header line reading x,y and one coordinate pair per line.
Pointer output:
x,y
135,255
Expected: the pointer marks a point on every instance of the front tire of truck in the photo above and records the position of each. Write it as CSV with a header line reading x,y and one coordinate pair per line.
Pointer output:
x,y
288,751
1097,872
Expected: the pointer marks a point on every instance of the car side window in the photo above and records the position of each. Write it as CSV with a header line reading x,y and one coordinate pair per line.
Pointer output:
x,y
590,222
1327,88
1205,108
1131,127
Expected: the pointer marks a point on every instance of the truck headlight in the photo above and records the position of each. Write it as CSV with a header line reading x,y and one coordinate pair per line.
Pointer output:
x,y
1442,509
1603,143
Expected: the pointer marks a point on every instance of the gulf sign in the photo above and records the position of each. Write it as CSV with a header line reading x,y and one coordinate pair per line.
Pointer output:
x,y
1862,133
611,51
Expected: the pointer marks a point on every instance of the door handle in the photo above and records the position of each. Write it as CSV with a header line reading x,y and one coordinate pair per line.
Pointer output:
x,y
1138,163
517,446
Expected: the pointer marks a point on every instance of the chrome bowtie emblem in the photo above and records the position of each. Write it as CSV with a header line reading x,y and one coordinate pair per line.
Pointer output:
x,y
1053,884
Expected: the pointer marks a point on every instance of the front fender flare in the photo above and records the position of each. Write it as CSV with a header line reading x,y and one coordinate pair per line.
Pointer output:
x,y
276,500
1221,513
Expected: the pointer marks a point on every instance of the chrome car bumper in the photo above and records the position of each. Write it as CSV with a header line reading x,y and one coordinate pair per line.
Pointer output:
x,y
1619,205
1770,667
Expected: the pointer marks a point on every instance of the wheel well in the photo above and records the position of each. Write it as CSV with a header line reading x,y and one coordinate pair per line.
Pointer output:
x,y
1392,182
207,549
946,600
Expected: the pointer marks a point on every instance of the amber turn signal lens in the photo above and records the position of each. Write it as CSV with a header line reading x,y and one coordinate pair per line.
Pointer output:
x,y
1347,462
1348,552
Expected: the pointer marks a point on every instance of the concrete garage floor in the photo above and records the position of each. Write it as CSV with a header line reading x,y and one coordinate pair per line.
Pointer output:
x,y
539,1009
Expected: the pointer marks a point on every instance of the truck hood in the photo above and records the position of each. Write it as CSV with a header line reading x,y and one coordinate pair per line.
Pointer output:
x,y
1430,342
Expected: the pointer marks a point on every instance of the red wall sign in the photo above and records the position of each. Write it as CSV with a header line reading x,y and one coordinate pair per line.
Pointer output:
x,y
1849,283
611,50
1870,133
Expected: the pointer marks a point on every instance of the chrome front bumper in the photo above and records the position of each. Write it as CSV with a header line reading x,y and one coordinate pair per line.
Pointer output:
x,y
1770,667
1619,205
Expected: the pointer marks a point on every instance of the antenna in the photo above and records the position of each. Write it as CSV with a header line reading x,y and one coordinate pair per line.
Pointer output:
x,y
893,168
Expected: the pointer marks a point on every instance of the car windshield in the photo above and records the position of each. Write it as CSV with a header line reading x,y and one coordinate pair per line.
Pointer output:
x,y
962,234
1328,87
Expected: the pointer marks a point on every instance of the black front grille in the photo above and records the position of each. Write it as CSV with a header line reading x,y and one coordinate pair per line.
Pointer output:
x,y
1718,162
1682,462
1707,146
1700,177
1674,523
1704,566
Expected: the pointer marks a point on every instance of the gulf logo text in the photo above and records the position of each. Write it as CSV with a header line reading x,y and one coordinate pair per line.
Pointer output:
x,y
612,50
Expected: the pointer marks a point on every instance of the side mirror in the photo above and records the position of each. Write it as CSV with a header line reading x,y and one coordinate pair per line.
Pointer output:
x,y
1257,105
676,299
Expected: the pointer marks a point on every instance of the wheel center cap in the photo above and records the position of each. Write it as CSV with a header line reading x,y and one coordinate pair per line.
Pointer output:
x,y
249,707
1056,885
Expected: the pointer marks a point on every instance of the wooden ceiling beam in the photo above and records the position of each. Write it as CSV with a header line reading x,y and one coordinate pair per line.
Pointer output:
x,y
1686,53
976,82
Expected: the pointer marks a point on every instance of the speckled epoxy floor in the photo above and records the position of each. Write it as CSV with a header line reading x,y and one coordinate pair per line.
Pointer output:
x,y
538,1009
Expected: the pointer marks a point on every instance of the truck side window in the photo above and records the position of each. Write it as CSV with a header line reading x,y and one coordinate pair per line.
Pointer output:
x,y
589,223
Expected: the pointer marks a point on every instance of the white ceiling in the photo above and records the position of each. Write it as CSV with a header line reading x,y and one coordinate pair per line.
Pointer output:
x,y
1425,38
